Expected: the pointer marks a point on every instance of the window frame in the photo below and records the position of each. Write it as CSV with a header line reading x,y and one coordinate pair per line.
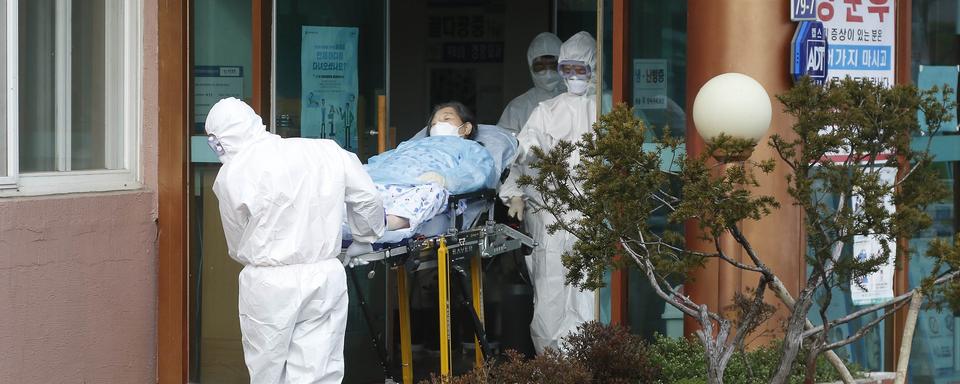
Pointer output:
x,y
8,121
123,153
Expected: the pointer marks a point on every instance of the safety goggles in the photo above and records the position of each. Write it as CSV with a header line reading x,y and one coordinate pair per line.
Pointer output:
x,y
544,63
215,145
574,68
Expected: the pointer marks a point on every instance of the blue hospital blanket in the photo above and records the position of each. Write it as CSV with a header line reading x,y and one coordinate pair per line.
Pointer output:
x,y
465,165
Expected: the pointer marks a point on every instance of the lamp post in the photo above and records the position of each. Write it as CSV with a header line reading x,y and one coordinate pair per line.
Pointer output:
x,y
732,106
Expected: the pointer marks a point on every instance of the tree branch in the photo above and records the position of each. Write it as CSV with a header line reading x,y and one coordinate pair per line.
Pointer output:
x,y
892,302
864,329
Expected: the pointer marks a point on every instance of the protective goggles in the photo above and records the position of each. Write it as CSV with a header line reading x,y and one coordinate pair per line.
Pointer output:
x,y
574,68
544,63
215,145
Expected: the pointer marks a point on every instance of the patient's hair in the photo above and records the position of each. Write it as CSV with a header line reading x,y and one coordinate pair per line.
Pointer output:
x,y
465,115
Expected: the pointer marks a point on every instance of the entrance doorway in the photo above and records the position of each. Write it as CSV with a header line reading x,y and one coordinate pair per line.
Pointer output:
x,y
366,74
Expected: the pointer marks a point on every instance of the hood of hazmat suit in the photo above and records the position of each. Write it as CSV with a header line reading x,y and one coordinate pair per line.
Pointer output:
x,y
547,84
558,308
281,202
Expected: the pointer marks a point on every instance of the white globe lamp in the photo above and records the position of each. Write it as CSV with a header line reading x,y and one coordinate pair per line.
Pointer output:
x,y
732,104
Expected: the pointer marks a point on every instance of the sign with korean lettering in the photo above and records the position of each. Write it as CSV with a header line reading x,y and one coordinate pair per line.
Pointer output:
x,y
875,287
650,83
328,71
809,52
210,84
803,10
861,38
464,38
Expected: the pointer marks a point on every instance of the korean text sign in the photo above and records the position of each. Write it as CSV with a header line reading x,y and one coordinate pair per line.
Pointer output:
x,y
328,102
861,36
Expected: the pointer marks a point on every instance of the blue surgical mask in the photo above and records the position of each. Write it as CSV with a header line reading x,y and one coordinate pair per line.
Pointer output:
x,y
215,145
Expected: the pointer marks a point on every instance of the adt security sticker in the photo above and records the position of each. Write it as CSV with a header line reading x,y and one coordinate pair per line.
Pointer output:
x,y
809,52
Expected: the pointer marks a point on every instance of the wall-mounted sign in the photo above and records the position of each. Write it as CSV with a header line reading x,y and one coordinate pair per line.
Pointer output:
x,y
861,38
210,84
328,97
809,52
650,83
803,10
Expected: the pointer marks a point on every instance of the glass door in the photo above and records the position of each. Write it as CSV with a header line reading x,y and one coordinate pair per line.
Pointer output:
x,y
330,82
222,67
330,71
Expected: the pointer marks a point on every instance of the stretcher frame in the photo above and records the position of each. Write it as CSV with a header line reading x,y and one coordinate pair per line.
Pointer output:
x,y
483,239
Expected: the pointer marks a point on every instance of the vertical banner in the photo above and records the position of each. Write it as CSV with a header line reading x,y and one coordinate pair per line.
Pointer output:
x,y
328,95
876,287
861,38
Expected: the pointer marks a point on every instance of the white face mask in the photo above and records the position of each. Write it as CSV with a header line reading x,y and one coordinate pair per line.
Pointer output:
x,y
577,86
547,80
444,128
215,145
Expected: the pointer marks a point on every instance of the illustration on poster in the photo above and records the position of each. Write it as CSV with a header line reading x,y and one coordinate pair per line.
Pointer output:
x,y
853,9
330,113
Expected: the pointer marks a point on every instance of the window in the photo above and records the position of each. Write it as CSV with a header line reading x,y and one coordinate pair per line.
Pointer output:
x,y
8,120
72,105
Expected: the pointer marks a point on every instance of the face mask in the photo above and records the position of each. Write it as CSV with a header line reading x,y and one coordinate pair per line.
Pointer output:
x,y
444,128
577,86
546,80
215,145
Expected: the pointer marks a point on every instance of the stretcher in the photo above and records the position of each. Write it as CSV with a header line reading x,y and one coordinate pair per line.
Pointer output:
x,y
451,242
463,243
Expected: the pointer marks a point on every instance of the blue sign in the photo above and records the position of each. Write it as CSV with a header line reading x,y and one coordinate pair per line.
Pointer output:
x,y
803,10
809,52
861,57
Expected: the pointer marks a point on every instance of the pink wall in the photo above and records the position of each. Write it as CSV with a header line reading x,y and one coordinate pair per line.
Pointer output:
x,y
78,272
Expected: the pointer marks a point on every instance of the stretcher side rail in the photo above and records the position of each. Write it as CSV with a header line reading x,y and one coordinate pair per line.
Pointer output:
x,y
489,240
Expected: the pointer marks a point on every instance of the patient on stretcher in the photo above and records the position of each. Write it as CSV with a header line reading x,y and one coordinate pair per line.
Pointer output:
x,y
416,179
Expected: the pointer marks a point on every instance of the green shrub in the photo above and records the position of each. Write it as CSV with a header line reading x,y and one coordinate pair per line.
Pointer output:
x,y
682,361
603,354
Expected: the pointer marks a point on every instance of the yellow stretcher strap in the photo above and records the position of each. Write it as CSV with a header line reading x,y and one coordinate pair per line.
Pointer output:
x,y
406,355
476,279
443,266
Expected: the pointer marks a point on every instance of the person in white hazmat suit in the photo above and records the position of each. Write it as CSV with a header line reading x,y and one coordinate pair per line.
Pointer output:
x,y
281,202
547,83
558,308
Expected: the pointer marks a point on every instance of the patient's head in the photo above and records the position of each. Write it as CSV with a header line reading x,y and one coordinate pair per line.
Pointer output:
x,y
452,119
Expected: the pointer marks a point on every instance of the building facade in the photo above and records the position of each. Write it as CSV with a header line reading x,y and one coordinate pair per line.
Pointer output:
x,y
112,260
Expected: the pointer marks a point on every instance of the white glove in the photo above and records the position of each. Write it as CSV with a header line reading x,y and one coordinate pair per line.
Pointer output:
x,y
356,249
433,177
516,208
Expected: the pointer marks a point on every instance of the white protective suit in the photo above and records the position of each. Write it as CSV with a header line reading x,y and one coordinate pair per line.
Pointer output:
x,y
518,110
558,308
281,202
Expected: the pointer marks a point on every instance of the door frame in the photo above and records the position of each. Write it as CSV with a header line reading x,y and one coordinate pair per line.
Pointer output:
x,y
175,95
174,115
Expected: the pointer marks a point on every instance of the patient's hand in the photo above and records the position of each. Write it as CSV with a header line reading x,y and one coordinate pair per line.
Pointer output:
x,y
396,222
433,177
